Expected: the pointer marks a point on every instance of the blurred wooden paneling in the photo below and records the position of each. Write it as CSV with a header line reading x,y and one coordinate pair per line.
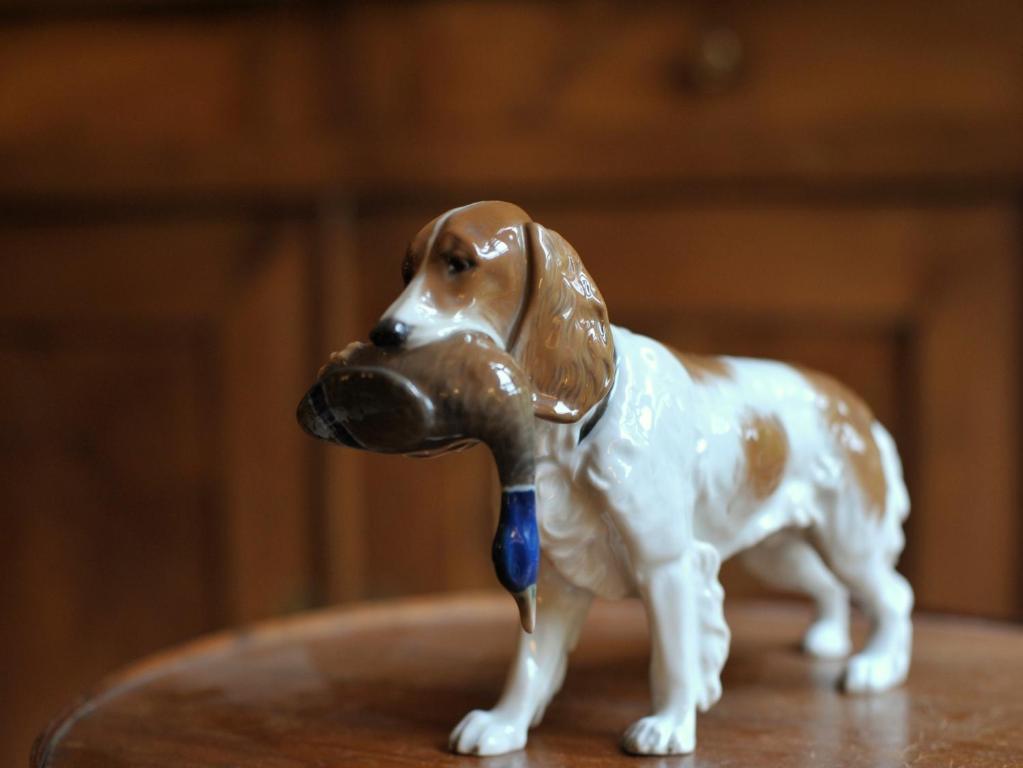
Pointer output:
x,y
478,95
105,505
154,482
201,200
968,545
265,352
606,92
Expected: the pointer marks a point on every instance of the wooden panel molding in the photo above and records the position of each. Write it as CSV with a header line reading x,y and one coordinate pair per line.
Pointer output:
x,y
155,483
379,97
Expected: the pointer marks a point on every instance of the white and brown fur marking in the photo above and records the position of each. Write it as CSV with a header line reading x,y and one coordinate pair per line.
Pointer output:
x,y
694,460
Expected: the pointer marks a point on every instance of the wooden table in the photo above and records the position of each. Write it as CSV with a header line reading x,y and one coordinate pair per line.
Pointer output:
x,y
382,685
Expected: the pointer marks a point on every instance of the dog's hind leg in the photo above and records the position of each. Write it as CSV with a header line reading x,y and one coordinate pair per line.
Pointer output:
x,y
536,673
789,562
887,599
862,551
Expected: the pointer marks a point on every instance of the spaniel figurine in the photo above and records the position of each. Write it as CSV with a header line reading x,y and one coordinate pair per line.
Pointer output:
x,y
652,467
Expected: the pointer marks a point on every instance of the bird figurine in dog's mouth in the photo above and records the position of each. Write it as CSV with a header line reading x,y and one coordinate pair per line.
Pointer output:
x,y
435,398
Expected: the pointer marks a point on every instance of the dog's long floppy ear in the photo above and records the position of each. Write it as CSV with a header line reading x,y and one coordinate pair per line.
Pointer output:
x,y
565,342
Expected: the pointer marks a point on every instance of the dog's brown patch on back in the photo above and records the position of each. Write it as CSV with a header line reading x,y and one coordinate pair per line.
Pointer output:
x,y
850,420
704,367
766,445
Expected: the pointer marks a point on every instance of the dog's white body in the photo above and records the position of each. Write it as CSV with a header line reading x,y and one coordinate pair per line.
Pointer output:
x,y
649,504
663,468
664,486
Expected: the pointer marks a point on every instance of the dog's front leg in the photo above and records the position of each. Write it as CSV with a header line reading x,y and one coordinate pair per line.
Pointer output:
x,y
536,673
668,596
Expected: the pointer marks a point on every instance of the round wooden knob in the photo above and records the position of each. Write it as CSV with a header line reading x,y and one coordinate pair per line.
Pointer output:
x,y
717,61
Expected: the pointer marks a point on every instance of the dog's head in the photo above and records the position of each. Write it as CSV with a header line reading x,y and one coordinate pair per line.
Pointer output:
x,y
487,267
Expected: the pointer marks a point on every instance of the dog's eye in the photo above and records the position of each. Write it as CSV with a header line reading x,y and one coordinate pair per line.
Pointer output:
x,y
457,264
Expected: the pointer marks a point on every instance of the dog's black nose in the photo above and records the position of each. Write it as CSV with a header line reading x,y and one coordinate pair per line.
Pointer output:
x,y
389,333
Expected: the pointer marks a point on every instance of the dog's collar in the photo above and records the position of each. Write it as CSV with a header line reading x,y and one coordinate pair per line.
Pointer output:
x,y
601,408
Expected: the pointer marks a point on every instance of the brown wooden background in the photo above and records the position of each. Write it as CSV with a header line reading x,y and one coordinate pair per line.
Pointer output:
x,y
198,201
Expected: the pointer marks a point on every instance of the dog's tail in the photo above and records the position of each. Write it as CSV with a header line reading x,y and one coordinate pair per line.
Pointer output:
x,y
713,631
896,496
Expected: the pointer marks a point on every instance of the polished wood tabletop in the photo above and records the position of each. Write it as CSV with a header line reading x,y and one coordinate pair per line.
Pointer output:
x,y
382,685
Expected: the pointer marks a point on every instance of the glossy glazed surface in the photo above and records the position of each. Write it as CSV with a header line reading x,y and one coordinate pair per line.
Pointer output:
x,y
692,464
489,268
434,397
426,399
376,687
652,468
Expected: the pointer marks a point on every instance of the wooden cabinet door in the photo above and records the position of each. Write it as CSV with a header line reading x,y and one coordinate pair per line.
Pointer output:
x,y
915,307
155,483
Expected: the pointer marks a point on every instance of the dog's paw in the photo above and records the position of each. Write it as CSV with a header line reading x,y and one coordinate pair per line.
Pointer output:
x,y
661,735
484,732
870,672
883,664
827,639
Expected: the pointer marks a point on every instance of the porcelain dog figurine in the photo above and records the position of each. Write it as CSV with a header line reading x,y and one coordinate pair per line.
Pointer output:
x,y
652,467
